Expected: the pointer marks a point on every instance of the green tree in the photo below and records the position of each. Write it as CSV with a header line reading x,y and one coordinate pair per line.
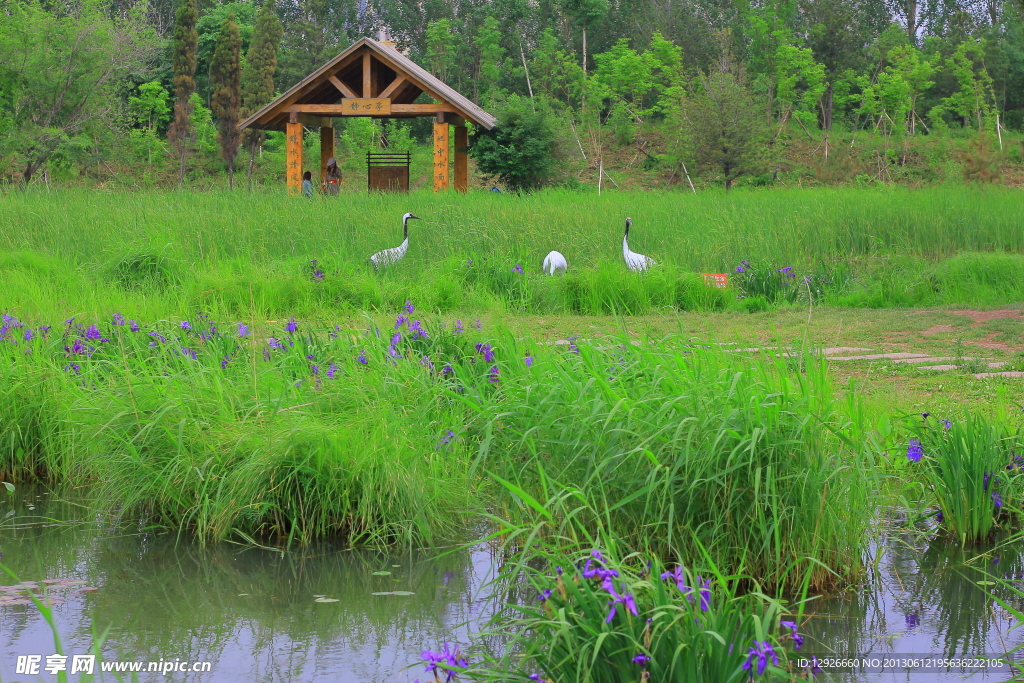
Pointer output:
x,y
258,73
225,79
520,149
554,71
974,99
440,48
719,127
488,42
184,62
60,73
585,13
151,108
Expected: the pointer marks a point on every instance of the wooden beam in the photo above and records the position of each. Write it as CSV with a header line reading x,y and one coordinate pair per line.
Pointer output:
x,y
342,88
312,121
441,169
424,109
373,106
326,151
395,85
461,159
293,158
366,74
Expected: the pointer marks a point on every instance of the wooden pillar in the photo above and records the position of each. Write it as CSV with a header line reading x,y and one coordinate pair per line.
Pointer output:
x,y
293,147
441,167
326,150
461,158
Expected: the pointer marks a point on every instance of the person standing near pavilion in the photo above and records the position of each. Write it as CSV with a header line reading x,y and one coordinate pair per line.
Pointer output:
x,y
333,177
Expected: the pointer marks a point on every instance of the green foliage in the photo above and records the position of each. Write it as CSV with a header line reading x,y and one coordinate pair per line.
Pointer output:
x,y
973,101
261,61
440,48
150,108
720,126
488,42
972,469
185,44
225,81
688,634
520,149
59,75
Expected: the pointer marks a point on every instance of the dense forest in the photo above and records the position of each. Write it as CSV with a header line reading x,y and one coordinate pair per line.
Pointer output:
x,y
634,93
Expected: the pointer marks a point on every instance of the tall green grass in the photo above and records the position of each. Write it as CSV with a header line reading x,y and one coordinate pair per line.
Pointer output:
x,y
679,453
155,253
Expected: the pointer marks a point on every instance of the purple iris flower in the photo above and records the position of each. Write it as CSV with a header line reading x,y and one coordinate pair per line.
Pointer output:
x,y
458,327
92,332
28,334
996,499
529,361
924,416
186,325
191,353
448,657
914,451
813,666
78,348
292,326
625,599
224,363
275,344
517,269
400,320
133,326
243,330
787,271
361,359
409,308
417,330
947,424
798,640
43,330
477,324
641,659
572,345
705,594
985,480
315,370
679,577
544,594
447,438
762,652
447,370
492,375
939,516
740,269
118,319
73,367
332,368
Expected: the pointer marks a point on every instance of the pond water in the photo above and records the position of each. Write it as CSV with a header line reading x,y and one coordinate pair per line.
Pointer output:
x,y
252,613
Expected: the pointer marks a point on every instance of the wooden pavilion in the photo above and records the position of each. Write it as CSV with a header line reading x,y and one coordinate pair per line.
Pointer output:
x,y
371,79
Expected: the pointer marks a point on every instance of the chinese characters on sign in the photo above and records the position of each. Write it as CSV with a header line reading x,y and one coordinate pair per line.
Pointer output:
x,y
375,106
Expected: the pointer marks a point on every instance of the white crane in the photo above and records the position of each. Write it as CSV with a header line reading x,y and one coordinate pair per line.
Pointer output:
x,y
554,263
634,261
389,256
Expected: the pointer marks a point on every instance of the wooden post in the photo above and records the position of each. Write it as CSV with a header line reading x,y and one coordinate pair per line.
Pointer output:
x,y
326,150
461,158
367,88
441,168
293,147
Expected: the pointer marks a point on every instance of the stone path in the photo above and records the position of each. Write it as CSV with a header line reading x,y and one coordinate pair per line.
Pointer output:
x,y
923,361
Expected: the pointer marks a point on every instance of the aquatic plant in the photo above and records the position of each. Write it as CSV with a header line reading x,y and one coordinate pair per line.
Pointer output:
x,y
970,467
607,622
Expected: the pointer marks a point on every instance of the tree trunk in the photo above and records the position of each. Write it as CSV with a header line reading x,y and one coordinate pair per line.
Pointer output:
x,y
826,109
584,48
252,159
912,21
231,176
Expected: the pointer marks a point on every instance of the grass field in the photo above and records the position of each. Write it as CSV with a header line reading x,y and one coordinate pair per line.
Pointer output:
x,y
214,415
240,254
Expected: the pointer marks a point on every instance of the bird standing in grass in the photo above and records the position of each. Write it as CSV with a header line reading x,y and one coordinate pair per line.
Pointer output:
x,y
554,262
634,261
390,256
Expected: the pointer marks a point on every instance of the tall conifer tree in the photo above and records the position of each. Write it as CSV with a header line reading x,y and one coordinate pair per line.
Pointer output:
x,y
225,81
186,43
258,75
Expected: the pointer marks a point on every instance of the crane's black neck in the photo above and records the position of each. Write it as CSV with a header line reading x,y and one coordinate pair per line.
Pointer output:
x,y
627,229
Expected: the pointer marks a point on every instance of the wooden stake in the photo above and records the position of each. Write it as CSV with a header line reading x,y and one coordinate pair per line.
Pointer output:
x,y
461,159
441,168
683,164
600,174
293,157
326,151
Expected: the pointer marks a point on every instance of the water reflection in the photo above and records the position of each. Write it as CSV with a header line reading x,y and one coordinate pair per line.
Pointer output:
x,y
251,612
926,596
